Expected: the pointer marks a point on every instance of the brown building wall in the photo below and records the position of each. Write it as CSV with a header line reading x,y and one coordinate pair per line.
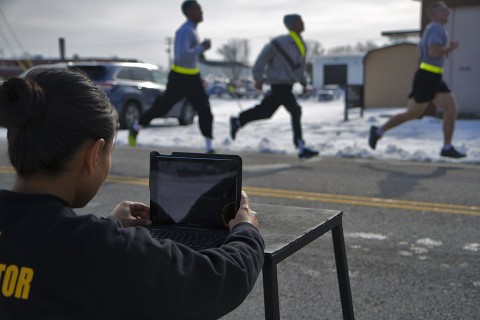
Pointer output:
x,y
388,75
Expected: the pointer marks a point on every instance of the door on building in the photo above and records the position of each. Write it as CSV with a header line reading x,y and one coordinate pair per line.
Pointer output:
x,y
335,74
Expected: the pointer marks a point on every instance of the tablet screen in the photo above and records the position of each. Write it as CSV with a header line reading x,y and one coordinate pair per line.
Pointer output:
x,y
194,191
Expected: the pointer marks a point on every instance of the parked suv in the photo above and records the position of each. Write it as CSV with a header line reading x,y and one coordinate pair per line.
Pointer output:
x,y
132,87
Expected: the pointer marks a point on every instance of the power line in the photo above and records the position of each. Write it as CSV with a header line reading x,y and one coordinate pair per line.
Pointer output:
x,y
11,31
7,42
20,63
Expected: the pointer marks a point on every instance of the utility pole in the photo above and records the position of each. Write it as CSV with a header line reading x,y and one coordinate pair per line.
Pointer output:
x,y
169,42
61,45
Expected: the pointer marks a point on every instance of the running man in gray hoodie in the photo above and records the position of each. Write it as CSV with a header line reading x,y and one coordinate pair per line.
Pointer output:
x,y
282,63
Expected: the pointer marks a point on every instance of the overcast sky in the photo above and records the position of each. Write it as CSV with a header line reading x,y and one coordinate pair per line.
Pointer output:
x,y
138,29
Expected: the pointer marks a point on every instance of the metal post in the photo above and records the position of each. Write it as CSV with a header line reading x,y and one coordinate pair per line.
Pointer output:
x,y
270,290
345,114
342,272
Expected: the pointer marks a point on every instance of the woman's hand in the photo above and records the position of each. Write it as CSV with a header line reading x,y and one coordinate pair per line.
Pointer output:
x,y
244,213
131,214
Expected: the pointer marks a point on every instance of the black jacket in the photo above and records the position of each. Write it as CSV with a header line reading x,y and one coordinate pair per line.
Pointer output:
x,y
55,264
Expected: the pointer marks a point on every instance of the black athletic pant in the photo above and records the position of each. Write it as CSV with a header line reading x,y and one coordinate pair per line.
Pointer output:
x,y
280,94
183,86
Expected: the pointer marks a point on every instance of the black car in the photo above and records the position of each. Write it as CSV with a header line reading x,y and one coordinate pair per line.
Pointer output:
x,y
132,87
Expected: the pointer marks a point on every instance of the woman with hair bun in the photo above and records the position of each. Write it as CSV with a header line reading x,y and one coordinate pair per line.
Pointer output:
x,y
55,264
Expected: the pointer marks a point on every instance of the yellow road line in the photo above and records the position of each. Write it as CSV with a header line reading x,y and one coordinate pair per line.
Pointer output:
x,y
323,197
6,170
128,180
365,201
335,198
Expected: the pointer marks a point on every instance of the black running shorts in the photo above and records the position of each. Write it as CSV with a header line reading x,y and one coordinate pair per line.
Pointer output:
x,y
426,85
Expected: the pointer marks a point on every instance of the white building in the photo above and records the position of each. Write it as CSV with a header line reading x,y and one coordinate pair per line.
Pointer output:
x,y
341,70
462,68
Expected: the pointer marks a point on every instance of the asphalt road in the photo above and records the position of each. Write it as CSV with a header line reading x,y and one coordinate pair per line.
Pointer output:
x,y
412,232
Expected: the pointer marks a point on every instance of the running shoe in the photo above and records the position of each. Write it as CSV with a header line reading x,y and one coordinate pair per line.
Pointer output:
x,y
373,137
132,135
307,153
234,126
452,153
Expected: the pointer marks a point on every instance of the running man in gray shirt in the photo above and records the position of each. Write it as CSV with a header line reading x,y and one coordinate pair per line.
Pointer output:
x,y
428,85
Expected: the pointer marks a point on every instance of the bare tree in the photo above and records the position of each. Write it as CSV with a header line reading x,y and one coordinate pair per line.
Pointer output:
x,y
314,50
236,53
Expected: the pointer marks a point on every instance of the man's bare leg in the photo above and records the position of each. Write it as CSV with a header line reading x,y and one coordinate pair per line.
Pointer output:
x,y
414,111
447,103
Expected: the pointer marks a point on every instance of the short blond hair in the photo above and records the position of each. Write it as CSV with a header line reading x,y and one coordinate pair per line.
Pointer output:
x,y
432,8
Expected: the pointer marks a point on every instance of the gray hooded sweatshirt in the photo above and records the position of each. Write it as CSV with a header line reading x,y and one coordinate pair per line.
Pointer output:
x,y
274,67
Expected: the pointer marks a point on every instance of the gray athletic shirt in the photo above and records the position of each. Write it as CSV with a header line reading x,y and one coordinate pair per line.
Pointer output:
x,y
434,34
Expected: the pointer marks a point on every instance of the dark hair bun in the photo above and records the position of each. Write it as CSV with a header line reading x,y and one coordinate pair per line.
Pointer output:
x,y
22,102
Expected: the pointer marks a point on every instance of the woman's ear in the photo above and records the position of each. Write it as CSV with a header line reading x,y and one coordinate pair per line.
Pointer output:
x,y
94,150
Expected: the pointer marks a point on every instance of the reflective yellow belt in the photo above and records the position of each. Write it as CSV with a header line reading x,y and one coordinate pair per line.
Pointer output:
x,y
182,70
431,68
